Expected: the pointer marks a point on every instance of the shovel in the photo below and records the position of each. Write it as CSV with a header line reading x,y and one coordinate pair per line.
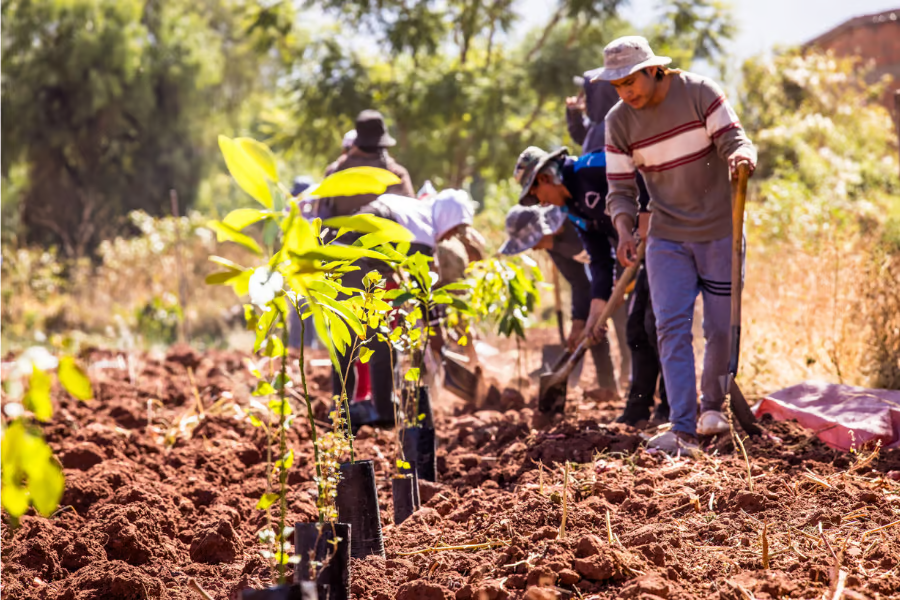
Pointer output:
x,y
554,384
739,407
458,379
553,354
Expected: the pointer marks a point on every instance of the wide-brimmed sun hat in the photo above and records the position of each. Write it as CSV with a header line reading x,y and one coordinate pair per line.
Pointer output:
x,y
526,225
530,163
627,55
371,132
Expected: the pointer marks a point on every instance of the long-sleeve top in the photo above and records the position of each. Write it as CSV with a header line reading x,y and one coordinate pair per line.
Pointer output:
x,y
681,147
566,246
348,205
586,128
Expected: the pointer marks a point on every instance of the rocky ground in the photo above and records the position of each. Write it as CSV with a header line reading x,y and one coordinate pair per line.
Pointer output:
x,y
140,516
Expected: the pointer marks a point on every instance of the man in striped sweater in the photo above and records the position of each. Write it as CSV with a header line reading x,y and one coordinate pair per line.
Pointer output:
x,y
680,132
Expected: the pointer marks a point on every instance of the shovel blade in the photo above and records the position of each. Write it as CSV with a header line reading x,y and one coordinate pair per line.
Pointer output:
x,y
552,396
554,356
460,381
740,409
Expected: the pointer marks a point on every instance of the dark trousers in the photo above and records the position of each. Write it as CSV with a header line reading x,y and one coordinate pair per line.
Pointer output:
x,y
645,368
381,376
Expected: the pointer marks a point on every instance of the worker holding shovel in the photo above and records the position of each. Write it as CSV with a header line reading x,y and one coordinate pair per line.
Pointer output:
x,y
680,132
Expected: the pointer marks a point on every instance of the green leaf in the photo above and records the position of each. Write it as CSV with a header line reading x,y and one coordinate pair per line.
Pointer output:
x,y
412,374
263,388
335,252
402,299
244,217
370,224
463,341
221,277
46,483
274,348
227,233
254,420
341,310
355,181
228,264
37,400
365,354
261,155
266,501
279,407
288,460
460,286
245,169
74,379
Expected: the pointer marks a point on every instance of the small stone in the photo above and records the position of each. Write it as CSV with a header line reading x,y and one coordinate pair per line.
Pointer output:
x,y
569,577
541,577
653,585
589,545
540,593
598,567
545,533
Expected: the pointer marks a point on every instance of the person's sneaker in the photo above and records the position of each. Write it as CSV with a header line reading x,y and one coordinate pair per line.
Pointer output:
x,y
712,422
673,442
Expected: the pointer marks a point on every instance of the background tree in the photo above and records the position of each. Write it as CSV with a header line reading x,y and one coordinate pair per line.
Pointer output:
x,y
110,104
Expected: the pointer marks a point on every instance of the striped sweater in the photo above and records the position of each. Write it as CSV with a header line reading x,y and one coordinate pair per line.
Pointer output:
x,y
681,147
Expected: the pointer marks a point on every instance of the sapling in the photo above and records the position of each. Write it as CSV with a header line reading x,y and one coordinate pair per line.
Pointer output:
x,y
300,269
31,474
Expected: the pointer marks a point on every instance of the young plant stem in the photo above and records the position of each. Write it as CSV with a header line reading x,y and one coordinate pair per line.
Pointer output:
x,y
565,504
345,400
282,451
310,416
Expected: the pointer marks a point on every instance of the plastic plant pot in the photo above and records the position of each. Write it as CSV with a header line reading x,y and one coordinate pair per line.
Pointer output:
x,y
357,505
419,441
404,497
417,502
297,591
315,542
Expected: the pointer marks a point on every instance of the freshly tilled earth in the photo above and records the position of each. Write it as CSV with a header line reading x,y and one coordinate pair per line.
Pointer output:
x,y
142,515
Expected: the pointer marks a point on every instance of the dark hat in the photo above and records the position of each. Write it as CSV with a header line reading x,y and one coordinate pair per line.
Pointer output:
x,y
371,131
530,163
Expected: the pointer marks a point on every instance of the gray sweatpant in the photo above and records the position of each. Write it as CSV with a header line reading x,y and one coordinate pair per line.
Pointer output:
x,y
678,271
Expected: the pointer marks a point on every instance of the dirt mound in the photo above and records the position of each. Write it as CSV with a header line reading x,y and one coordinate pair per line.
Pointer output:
x,y
140,517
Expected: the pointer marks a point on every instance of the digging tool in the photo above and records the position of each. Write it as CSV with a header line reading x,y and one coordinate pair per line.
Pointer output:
x,y
458,379
739,407
551,354
554,384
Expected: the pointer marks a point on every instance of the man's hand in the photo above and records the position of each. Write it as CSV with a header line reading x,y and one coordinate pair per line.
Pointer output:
x,y
575,334
575,102
594,329
627,248
741,155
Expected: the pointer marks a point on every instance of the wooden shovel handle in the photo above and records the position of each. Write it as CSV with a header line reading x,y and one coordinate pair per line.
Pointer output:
x,y
738,201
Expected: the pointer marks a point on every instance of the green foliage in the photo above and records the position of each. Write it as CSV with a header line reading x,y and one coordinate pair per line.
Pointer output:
x,y
822,138
31,474
504,294
109,104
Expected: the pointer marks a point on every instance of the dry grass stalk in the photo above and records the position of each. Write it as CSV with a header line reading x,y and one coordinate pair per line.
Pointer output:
x,y
460,547
609,532
746,459
764,541
882,528
541,478
839,584
194,389
565,504
192,583
817,480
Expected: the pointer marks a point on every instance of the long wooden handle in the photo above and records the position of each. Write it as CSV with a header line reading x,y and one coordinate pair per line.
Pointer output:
x,y
615,300
738,200
558,301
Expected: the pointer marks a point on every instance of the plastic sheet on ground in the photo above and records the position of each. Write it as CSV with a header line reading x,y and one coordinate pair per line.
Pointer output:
x,y
834,411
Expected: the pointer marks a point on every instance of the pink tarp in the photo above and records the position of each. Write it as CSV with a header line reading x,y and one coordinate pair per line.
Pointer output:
x,y
836,410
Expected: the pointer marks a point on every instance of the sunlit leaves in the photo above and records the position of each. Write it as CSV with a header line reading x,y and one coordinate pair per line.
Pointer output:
x,y
412,374
30,474
369,224
355,181
227,233
74,379
241,218
37,400
266,501
248,170
365,354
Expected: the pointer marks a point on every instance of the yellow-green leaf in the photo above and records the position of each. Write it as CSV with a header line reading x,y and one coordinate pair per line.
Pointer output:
x,y
261,155
279,406
37,400
227,233
355,181
266,501
244,217
365,354
254,420
74,379
370,224
221,277
412,374
246,171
